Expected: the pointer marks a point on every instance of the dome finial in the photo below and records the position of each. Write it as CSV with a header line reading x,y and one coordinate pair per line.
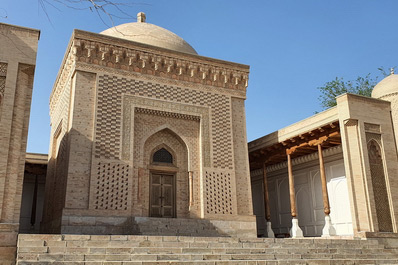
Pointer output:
x,y
391,70
141,17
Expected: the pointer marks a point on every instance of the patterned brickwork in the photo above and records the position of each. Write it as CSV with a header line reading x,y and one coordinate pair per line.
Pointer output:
x,y
64,76
161,112
108,129
218,186
3,73
167,114
145,124
2,85
243,192
379,182
111,186
57,170
146,140
3,69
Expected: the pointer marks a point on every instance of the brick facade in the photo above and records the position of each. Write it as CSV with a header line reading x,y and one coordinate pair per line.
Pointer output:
x,y
114,103
17,65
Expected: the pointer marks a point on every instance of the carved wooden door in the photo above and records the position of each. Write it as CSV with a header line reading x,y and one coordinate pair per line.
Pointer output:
x,y
162,195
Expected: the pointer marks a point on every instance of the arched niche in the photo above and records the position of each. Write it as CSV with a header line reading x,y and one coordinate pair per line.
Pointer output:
x,y
379,186
160,181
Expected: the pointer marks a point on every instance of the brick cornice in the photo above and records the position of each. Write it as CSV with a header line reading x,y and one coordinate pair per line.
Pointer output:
x,y
64,74
158,62
118,54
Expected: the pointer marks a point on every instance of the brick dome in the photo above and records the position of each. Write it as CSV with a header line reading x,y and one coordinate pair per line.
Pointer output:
x,y
385,87
147,33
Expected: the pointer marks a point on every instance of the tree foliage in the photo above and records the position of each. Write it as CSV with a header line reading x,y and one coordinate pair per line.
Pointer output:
x,y
362,86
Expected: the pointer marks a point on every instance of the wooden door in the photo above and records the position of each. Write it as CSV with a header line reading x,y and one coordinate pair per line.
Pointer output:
x,y
162,195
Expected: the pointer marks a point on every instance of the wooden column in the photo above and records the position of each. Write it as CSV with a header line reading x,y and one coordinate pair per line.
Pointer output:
x,y
190,175
326,206
296,231
34,202
267,210
293,208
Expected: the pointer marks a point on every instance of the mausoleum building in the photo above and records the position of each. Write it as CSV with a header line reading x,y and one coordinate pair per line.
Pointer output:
x,y
142,127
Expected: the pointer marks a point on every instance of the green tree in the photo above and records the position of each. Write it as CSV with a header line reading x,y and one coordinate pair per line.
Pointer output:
x,y
362,86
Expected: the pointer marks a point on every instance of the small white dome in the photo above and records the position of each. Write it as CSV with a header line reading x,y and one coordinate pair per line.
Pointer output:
x,y
149,34
387,86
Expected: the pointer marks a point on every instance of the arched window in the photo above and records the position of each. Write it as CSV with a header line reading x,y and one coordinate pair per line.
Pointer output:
x,y
162,156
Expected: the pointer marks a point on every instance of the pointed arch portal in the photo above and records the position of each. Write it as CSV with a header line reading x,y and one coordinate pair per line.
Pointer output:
x,y
167,156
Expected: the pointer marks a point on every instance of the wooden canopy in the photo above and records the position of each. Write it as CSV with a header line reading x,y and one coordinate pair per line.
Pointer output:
x,y
300,145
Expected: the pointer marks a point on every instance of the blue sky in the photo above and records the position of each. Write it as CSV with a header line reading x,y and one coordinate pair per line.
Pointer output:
x,y
292,47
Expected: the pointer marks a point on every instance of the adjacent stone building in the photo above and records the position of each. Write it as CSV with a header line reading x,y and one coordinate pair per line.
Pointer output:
x,y
334,173
142,127
17,65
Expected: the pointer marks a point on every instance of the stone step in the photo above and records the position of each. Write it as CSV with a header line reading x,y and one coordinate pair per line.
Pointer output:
x,y
126,249
173,226
155,259
217,262
139,226
212,242
172,246
203,253
140,238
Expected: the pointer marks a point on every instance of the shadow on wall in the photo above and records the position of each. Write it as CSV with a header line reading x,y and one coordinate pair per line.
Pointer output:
x,y
32,196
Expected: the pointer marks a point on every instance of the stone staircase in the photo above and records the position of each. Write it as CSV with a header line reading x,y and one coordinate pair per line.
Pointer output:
x,y
151,250
122,225
174,227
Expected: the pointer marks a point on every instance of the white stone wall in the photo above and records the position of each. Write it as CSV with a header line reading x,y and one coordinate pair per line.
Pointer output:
x,y
308,197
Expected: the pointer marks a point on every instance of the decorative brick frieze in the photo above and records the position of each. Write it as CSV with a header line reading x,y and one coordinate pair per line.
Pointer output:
x,y
97,50
132,58
167,114
64,76
82,66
